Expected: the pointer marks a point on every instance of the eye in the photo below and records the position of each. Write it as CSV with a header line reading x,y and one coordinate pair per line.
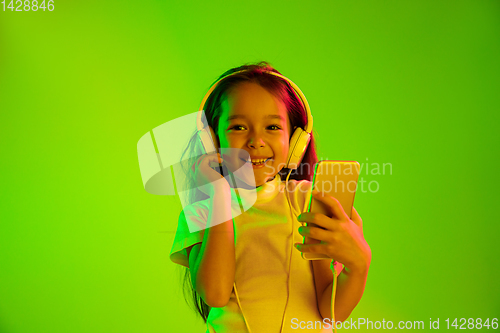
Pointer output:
x,y
274,127
237,127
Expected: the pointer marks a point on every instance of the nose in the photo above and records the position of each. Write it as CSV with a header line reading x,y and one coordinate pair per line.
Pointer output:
x,y
255,141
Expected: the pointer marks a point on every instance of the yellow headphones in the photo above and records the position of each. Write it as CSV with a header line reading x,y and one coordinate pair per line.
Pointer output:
x,y
300,138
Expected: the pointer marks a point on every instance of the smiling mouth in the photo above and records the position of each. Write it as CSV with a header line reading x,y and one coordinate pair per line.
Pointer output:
x,y
257,161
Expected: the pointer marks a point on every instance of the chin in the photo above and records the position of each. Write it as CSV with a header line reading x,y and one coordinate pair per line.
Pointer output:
x,y
263,180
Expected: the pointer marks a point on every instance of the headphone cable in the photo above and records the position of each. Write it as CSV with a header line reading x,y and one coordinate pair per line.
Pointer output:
x,y
291,251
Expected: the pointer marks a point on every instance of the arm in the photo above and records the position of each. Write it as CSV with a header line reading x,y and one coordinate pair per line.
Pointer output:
x,y
341,238
212,262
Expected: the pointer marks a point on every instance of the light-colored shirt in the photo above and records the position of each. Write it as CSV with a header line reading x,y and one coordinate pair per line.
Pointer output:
x,y
263,246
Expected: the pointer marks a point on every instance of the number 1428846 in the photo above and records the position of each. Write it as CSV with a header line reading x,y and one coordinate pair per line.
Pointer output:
x,y
28,5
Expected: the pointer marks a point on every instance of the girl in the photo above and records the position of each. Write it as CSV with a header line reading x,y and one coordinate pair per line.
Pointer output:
x,y
240,269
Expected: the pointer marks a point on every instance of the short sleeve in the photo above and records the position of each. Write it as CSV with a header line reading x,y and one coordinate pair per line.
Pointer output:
x,y
300,194
192,217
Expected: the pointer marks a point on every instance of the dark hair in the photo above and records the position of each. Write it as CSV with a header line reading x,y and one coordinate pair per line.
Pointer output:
x,y
255,73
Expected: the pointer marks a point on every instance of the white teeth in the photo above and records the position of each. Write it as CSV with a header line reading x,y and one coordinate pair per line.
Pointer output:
x,y
259,161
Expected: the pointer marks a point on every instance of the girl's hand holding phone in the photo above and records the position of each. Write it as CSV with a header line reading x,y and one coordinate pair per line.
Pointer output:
x,y
341,238
205,174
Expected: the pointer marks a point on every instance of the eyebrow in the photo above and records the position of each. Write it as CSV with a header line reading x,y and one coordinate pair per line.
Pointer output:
x,y
271,116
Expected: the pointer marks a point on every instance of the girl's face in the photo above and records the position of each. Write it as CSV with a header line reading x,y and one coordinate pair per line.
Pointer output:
x,y
256,121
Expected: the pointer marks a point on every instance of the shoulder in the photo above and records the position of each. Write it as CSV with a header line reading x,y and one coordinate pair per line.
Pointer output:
x,y
300,184
300,191
198,207
195,215
299,187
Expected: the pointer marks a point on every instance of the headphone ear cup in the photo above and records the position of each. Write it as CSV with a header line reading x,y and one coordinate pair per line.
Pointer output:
x,y
298,144
206,140
214,139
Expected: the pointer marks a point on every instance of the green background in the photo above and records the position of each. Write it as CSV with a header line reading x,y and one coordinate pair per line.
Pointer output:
x,y
84,248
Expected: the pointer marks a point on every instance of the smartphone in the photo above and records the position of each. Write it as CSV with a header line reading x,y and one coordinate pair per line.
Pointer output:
x,y
338,179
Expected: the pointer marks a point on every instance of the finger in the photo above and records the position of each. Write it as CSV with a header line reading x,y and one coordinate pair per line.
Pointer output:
x,y
197,163
215,164
356,218
311,248
316,233
319,219
333,204
209,158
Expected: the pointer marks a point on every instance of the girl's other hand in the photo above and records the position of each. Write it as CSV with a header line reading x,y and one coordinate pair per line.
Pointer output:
x,y
207,176
341,238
